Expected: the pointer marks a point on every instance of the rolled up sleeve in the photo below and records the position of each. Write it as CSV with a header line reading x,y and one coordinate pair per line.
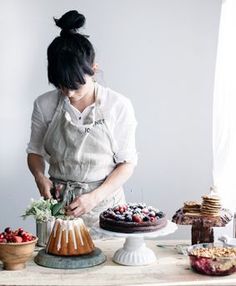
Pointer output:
x,y
124,135
38,130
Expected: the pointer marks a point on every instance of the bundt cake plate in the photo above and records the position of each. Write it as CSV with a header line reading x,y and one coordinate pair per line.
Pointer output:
x,y
70,262
70,247
134,251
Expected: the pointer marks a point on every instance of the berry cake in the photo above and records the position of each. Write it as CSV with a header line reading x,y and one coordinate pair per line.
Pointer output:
x,y
132,218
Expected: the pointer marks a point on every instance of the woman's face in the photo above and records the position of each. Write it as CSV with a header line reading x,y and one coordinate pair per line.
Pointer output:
x,y
84,90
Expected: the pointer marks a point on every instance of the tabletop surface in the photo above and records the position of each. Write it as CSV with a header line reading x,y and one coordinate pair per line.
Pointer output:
x,y
171,268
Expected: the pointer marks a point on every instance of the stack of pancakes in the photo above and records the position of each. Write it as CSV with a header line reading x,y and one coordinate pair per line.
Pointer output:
x,y
192,208
211,205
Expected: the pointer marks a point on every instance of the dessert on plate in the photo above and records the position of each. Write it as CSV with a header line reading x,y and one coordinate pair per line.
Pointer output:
x,y
203,217
69,237
132,218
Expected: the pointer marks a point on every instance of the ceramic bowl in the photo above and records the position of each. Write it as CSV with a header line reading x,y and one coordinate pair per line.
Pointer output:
x,y
216,266
15,255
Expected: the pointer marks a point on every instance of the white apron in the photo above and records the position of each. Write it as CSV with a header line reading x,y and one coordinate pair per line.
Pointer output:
x,y
81,157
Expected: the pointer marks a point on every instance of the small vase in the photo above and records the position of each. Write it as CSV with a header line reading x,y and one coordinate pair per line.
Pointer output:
x,y
43,230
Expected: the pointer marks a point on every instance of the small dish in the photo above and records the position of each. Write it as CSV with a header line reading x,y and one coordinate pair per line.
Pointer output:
x,y
212,259
15,255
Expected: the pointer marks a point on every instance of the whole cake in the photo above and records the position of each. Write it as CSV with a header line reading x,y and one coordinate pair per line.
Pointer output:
x,y
132,218
69,237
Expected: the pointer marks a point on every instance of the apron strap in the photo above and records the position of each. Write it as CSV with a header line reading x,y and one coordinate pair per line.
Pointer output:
x,y
67,188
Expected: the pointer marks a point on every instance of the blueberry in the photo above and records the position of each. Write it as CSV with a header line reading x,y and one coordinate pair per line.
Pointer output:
x,y
119,217
128,218
140,206
160,214
145,218
152,213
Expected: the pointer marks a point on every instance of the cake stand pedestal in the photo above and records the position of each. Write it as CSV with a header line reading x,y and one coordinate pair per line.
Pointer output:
x,y
134,251
202,225
70,262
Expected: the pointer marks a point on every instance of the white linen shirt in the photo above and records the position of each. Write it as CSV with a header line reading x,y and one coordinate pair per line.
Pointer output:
x,y
116,108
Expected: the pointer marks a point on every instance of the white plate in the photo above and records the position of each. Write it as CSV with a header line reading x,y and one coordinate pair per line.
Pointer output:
x,y
169,228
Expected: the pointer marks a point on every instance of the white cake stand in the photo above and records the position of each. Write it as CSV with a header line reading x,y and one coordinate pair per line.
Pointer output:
x,y
134,251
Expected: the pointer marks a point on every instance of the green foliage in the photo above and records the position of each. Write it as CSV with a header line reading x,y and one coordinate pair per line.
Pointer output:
x,y
40,209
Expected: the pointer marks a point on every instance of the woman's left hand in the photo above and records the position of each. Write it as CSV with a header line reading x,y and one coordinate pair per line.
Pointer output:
x,y
81,205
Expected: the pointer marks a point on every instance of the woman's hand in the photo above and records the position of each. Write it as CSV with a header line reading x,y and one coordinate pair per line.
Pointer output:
x,y
44,185
37,166
81,205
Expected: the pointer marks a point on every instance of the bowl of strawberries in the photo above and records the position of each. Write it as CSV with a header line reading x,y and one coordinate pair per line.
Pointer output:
x,y
16,248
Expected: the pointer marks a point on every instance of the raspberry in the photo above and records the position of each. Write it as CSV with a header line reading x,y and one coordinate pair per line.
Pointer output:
x,y
137,218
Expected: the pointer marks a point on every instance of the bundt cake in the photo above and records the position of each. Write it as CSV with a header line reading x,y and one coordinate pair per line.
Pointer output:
x,y
69,237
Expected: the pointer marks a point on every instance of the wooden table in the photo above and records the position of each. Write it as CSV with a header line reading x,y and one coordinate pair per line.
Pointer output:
x,y
170,269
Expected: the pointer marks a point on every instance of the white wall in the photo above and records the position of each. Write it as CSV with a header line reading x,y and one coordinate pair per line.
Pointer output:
x,y
160,53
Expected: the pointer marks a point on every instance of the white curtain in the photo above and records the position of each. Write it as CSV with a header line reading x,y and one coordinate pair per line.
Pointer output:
x,y
224,109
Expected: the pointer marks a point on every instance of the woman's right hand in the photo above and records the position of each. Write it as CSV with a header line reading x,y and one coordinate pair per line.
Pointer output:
x,y
44,185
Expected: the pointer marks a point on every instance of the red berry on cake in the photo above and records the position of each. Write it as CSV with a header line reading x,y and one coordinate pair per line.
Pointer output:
x,y
137,218
121,209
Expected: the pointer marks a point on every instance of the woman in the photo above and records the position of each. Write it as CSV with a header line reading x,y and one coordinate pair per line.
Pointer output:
x,y
85,131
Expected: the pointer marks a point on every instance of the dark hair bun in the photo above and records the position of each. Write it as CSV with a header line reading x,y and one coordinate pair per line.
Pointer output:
x,y
71,20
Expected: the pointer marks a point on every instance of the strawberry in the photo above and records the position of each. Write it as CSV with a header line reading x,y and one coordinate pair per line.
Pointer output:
x,y
24,238
121,209
8,237
17,239
18,235
137,218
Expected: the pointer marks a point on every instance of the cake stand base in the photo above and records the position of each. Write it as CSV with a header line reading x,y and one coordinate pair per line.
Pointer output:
x,y
134,253
70,262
